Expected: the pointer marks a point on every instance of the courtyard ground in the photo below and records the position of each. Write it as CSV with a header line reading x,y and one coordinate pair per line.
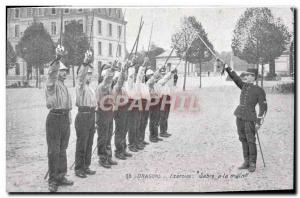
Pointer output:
x,y
201,155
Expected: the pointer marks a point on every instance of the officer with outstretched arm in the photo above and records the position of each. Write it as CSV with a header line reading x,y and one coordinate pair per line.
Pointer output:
x,y
247,121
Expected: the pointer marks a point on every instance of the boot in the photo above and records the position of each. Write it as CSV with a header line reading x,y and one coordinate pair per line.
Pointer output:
x,y
126,154
245,165
252,167
88,171
80,173
165,134
52,186
112,162
245,147
104,163
132,148
65,182
252,157
120,156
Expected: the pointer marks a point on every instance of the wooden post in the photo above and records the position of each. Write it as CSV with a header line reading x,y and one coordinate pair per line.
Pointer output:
x,y
184,78
262,75
73,74
200,73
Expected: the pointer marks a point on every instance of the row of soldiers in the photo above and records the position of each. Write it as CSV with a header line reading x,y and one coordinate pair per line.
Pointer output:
x,y
128,94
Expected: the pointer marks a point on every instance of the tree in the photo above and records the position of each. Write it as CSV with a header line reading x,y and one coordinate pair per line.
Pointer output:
x,y
189,46
36,47
76,43
259,38
11,56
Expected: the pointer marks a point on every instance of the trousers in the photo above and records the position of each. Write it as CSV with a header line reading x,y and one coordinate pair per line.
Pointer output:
x,y
246,131
121,120
164,115
85,130
105,128
154,119
57,135
134,116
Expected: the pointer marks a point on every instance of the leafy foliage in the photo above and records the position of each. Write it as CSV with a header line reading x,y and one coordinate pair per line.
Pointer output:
x,y
187,43
36,46
76,43
11,56
259,37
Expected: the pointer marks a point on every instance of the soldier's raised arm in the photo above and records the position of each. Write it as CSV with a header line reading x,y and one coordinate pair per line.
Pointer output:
x,y
141,71
167,77
53,71
156,75
121,79
236,79
83,70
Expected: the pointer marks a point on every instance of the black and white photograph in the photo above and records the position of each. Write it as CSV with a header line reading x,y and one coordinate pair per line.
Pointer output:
x,y
150,99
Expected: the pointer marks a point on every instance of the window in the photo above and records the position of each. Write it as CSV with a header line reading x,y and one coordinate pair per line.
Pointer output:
x,y
67,11
80,10
110,49
17,13
17,69
53,11
39,12
99,67
109,29
81,24
119,13
119,50
99,48
99,27
53,28
119,31
29,12
109,11
17,30
65,24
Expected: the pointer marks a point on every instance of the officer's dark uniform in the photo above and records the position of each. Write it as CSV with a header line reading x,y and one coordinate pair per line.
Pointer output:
x,y
84,124
246,118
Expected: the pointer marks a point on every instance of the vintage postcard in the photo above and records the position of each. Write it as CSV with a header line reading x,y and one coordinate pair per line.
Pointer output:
x,y
150,99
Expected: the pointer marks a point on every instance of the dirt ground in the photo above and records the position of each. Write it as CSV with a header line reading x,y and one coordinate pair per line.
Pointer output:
x,y
201,155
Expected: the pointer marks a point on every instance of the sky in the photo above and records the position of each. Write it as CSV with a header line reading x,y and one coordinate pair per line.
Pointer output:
x,y
218,22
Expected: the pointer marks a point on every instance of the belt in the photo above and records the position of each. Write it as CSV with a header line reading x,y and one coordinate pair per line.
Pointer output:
x,y
60,111
86,109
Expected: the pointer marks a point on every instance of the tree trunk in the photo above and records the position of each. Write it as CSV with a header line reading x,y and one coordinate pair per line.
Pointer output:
x,y
73,74
37,77
184,78
257,67
272,68
200,69
262,75
188,69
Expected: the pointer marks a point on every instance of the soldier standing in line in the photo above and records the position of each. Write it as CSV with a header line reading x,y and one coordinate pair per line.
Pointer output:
x,y
133,111
121,115
145,99
85,119
104,116
165,104
58,100
246,120
155,84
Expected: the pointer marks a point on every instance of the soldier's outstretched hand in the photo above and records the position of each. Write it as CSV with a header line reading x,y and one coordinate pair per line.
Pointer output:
x,y
88,57
60,51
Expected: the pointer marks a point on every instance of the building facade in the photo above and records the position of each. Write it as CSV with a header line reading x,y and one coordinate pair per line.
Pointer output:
x,y
108,37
